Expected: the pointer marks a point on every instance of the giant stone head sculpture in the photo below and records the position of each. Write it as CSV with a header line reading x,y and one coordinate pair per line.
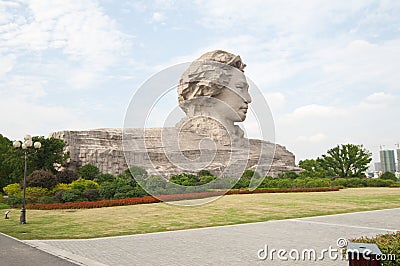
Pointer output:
x,y
214,85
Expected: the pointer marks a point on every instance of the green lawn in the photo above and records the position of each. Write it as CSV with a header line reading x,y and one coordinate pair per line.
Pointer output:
x,y
232,209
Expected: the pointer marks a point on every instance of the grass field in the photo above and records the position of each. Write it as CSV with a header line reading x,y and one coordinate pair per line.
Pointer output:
x,y
232,209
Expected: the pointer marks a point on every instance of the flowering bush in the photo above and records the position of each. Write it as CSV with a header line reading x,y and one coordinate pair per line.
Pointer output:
x,y
60,187
13,190
83,184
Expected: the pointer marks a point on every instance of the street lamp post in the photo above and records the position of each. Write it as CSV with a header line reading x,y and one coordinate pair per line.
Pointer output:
x,y
25,147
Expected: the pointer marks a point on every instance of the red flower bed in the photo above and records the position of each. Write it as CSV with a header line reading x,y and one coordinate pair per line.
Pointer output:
x,y
152,199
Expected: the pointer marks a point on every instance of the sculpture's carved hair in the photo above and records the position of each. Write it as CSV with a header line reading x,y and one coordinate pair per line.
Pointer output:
x,y
207,76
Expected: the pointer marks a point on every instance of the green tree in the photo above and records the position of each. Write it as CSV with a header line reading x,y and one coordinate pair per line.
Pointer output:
x,y
7,156
88,171
49,155
313,168
346,160
12,160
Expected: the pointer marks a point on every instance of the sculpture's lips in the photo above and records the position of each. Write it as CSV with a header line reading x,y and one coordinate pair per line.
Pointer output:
x,y
244,108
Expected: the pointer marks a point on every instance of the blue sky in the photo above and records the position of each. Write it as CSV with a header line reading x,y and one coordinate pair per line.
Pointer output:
x,y
328,69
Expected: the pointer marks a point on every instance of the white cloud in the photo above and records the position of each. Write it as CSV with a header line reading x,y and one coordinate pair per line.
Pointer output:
x,y
158,17
22,117
314,138
311,130
87,37
380,97
285,16
276,100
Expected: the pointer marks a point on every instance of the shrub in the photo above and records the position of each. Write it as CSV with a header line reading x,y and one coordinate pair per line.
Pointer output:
x,y
101,178
284,183
388,176
83,184
47,200
14,201
88,171
72,195
136,171
289,174
66,176
107,190
41,178
181,179
91,194
58,195
34,193
249,174
205,179
13,190
60,187
119,195
204,173
377,182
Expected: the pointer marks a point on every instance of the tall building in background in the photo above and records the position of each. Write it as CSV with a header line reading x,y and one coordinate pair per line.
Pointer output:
x,y
398,160
388,162
377,167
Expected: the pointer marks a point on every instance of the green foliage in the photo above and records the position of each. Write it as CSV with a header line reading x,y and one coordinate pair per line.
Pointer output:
x,y
136,171
140,174
388,176
182,179
13,190
9,170
60,187
346,160
50,154
204,173
66,176
313,168
88,171
14,201
83,184
107,190
72,195
205,179
12,160
289,174
249,174
41,178
58,195
101,178
91,194
119,188
377,182
34,193
47,200
156,184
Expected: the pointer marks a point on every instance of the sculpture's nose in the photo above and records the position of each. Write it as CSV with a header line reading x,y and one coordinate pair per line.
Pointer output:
x,y
247,97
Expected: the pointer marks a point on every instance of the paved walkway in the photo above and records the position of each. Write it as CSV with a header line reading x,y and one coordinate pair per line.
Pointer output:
x,y
15,252
227,245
